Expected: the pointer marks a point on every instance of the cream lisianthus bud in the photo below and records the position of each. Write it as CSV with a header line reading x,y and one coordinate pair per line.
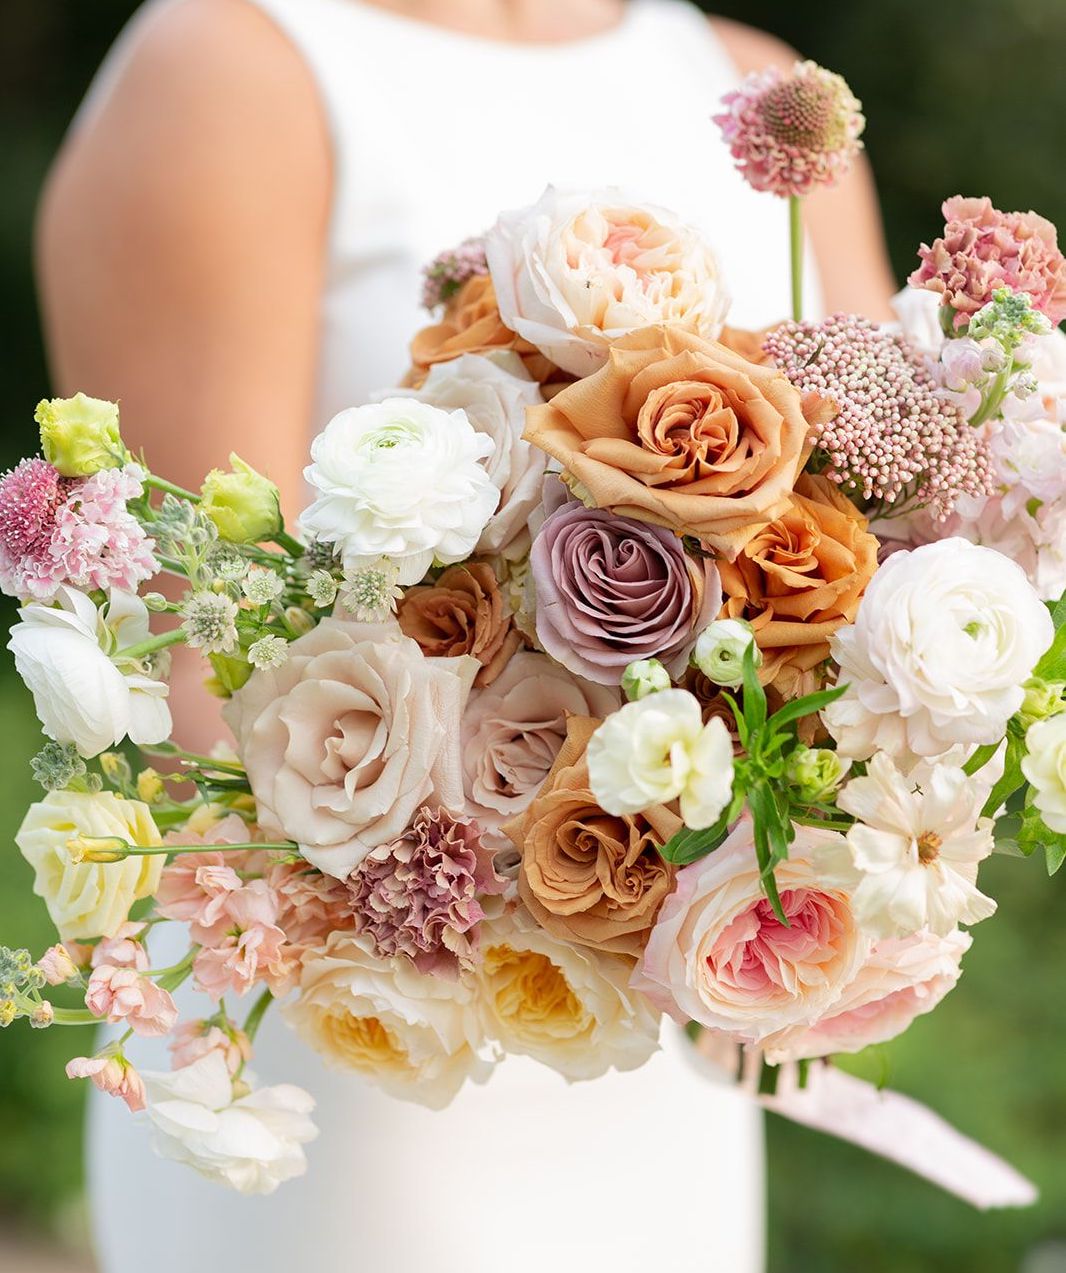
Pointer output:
x,y
80,435
815,773
719,652
1045,768
1043,699
644,677
244,505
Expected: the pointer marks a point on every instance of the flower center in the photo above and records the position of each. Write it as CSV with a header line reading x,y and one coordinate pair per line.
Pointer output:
x,y
929,847
532,993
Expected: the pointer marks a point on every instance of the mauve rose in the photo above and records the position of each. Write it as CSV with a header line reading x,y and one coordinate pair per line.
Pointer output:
x,y
610,590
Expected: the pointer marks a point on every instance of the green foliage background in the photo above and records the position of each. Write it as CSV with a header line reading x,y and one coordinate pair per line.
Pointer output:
x,y
963,98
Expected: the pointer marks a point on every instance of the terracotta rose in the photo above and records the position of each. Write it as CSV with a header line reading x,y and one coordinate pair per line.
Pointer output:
x,y
588,876
800,578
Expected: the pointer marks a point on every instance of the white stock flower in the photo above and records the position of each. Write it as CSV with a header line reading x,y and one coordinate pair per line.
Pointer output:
x,y
494,392
1045,768
945,637
403,480
64,655
719,651
577,270
413,1034
251,1142
916,847
658,749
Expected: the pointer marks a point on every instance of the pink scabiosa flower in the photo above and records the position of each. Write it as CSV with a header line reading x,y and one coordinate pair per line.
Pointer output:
x,y
56,530
195,1039
792,133
112,1074
122,994
894,436
450,269
982,249
419,896
244,945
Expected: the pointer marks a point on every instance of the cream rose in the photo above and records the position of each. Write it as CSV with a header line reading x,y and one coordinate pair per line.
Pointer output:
x,y
577,270
566,1006
718,955
349,738
1045,768
88,899
414,1035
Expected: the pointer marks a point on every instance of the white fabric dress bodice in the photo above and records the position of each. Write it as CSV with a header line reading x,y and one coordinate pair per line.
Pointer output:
x,y
434,133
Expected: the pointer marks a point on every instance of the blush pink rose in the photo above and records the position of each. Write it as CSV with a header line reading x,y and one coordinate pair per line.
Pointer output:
x,y
122,994
719,956
111,1074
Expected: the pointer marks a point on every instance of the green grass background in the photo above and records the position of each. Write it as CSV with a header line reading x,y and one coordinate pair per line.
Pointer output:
x,y
961,97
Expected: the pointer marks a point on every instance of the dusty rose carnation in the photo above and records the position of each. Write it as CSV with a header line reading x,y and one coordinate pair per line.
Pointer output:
x,y
792,133
419,896
982,249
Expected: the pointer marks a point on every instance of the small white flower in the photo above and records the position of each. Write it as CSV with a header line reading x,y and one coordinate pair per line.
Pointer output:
x,y
252,1143
644,677
1045,768
915,847
322,588
262,586
268,652
371,594
719,651
657,750
210,622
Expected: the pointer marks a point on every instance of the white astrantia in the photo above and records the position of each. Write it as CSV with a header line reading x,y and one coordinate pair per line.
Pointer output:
x,y
915,848
81,695
1045,768
943,642
248,1138
577,270
657,749
400,479
719,651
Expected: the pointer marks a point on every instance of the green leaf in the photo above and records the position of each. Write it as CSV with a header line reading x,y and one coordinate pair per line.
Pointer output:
x,y
980,758
764,816
1056,855
806,706
1052,666
687,846
1058,612
1012,778
1036,834
754,694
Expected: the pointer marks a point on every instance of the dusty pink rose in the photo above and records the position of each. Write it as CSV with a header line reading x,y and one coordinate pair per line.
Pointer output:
x,y
57,966
123,950
903,978
719,956
244,945
195,1039
610,590
112,1074
982,249
513,730
122,994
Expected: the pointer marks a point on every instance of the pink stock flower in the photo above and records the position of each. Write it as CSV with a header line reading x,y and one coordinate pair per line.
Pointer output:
x,y
193,1040
310,905
57,966
56,530
194,887
122,994
792,133
982,249
123,950
244,945
112,1074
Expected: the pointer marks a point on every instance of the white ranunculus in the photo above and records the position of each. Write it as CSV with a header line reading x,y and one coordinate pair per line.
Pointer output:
x,y
719,651
658,749
577,270
252,1142
494,392
403,480
88,899
945,637
1045,768
916,848
80,695
413,1034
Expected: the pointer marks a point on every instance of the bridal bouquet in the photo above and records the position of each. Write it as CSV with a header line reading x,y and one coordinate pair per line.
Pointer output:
x,y
625,665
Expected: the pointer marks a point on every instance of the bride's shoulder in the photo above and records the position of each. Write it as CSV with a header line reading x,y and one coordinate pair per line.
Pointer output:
x,y
751,49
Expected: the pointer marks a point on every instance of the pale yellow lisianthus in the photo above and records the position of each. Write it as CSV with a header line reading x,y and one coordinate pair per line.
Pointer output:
x,y
80,435
89,899
244,505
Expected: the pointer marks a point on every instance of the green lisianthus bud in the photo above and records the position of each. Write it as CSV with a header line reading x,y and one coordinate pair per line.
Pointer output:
x,y
644,677
1042,700
80,435
719,652
244,505
815,773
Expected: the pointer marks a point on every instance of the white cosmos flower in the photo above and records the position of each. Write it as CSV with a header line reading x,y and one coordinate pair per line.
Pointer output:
x,y
251,1142
658,749
1045,768
403,480
64,654
916,847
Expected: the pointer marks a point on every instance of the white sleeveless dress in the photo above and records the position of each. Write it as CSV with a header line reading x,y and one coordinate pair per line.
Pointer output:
x,y
434,133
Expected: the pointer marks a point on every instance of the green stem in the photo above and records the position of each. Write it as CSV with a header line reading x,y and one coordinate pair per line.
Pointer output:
x,y
291,545
74,1016
795,239
256,1014
159,642
170,488
194,758
289,846
823,824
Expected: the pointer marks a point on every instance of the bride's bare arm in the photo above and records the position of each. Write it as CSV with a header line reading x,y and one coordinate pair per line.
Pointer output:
x,y
844,222
180,242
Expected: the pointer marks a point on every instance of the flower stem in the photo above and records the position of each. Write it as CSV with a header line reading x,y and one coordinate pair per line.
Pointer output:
x,y
194,758
256,1014
795,239
291,545
169,488
289,846
159,642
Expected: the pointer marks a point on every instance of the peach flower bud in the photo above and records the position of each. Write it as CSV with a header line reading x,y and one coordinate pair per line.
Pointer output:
x,y
122,994
113,1074
57,965
42,1015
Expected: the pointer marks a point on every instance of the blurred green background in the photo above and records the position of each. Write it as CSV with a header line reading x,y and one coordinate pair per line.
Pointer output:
x,y
966,98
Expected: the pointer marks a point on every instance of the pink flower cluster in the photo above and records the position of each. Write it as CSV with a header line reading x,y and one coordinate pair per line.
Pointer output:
x,y
982,249
448,271
56,530
119,992
419,896
894,435
792,133
112,1074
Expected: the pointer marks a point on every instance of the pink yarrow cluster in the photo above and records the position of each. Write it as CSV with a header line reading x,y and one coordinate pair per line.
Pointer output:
x,y
982,249
792,133
56,530
894,436
449,270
